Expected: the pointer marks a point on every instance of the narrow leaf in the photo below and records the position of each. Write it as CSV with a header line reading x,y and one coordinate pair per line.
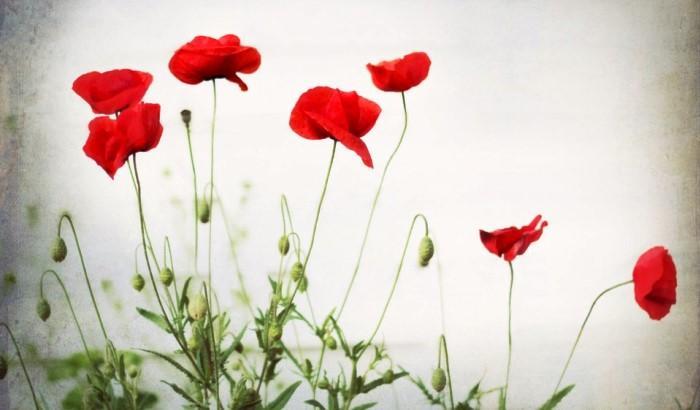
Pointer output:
x,y
283,398
184,394
556,398
157,319
316,404
174,363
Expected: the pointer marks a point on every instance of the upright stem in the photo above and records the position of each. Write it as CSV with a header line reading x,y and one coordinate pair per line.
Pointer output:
x,y
68,218
396,278
21,361
196,201
70,306
580,331
374,207
443,346
211,176
510,338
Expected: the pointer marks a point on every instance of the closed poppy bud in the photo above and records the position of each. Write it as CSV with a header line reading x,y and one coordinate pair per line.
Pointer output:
x,y
166,276
425,251
203,211
274,333
439,380
133,371
3,367
186,116
137,282
330,342
198,307
303,284
58,249
324,384
388,376
43,309
283,245
297,271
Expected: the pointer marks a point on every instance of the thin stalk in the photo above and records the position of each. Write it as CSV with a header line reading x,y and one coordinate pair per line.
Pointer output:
x,y
441,348
374,207
68,218
510,338
21,361
583,325
211,177
196,200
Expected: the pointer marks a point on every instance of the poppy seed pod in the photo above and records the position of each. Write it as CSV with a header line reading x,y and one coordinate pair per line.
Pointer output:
x,y
58,249
388,376
425,251
283,245
43,309
198,307
297,271
138,282
203,211
186,116
438,380
3,367
166,276
330,342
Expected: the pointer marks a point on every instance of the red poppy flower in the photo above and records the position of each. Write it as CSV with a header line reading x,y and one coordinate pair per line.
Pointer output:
x,y
511,242
655,282
206,58
112,91
325,112
110,142
400,74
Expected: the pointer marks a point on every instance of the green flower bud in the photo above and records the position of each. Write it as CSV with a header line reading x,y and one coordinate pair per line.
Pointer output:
x,y
43,309
203,211
297,271
324,384
388,376
3,367
186,116
137,282
438,380
132,371
58,249
307,367
107,369
303,284
283,244
330,342
425,251
198,307
274,332
166,276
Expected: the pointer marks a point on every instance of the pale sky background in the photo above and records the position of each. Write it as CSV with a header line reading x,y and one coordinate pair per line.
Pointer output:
x,y
585,112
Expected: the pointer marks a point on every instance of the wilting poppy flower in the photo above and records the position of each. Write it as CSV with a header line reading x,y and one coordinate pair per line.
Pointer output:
x,y
400,74
112,91
205,58
511,242
105,145
110,141
654,278
324,112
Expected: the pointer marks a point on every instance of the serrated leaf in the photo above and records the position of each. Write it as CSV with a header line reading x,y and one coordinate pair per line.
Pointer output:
x,y
155,318
556,398
283,398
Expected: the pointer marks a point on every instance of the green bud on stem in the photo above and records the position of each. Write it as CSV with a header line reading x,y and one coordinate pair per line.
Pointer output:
x,y
166,276
43,309
58,249
198,307
439,380
138,282
425,251
283,245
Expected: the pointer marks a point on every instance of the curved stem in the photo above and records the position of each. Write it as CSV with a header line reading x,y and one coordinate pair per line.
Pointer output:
x,y
21,361
510,337
196,200
374,207
583,325
70,306
68,218
396,278
443,346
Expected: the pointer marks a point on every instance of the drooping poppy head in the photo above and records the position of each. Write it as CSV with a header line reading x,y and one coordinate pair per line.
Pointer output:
x,y
105,145
324,112
112,91
511,242
654,279
400,74
206,58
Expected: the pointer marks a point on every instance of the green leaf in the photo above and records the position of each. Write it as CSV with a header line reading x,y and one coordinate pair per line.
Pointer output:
x,y
556,398
316,404
365,406
474,391
183,294
174,363
157,319
283,398
177,389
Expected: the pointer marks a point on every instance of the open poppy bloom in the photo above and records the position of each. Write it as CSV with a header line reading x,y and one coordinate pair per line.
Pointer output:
x,y
112,91
400,74
205,58
324,112
654,278
511,242
110,141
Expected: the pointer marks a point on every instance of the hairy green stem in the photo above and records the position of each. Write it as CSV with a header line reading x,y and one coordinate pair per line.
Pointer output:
x,y
196,199
443,347
21,362
510,338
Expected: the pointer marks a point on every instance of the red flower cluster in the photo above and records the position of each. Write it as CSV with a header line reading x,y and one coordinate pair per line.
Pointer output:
x,y
511,242
654,278
137,125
